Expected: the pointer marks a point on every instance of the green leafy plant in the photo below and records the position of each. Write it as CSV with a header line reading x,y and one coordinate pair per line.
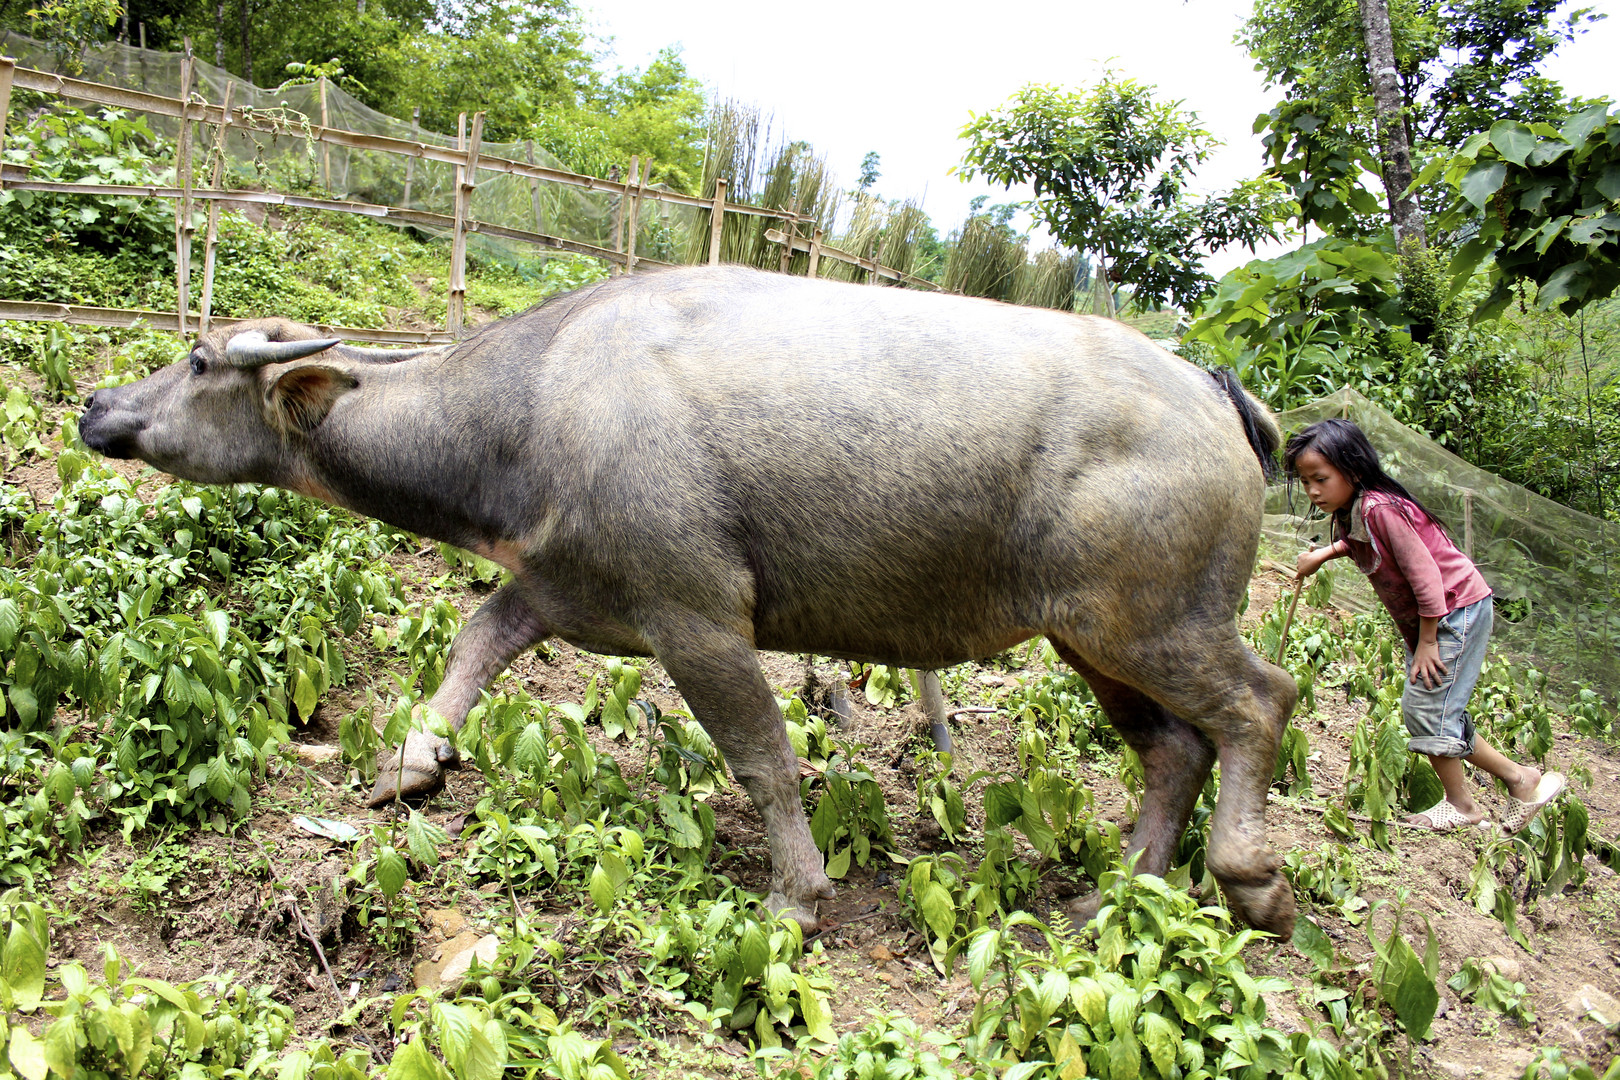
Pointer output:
x,y
1489,989
1141,993
850,820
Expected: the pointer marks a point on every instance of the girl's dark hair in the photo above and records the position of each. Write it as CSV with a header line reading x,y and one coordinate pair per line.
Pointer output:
x,y
1346,448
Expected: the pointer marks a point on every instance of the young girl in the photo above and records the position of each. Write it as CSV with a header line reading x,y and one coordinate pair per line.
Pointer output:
x,y
1438,600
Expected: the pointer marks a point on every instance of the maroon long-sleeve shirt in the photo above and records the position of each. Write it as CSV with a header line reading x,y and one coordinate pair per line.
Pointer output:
x,y
1413,566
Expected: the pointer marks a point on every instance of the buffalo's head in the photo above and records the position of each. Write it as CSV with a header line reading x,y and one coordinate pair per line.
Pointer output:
x,y
235,409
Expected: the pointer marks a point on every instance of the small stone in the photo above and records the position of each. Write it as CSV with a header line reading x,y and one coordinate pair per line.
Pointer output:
x,y
1590,1002
455,971
446,922
881,954
988,679
1505,966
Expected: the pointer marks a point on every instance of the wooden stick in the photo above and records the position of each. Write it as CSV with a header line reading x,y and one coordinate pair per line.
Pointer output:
x,y
182,209
326,150
8,68
466,181
410,162
815,253
1288,619
1468,524
213,216
632,217
534,188
717,220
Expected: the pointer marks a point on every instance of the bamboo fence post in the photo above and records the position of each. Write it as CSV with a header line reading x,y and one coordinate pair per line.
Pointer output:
x,y
410,162
534,188
466,180
717,220
1468,524
632,217
815,253
326,151
615,175
213,210
790,231
182,208
8,66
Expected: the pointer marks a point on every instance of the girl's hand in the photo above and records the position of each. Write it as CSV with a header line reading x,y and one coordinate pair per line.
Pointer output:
x,y
1310,562
1426,665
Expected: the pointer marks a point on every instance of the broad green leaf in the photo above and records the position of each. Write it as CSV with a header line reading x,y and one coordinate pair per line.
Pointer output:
x,y
939,911
838,865
754,951
391,872
304,695
413,1062
1162,1039
25,703
1313,943
982,952
1483,181
813,1006
1513,141
219,626
485,1057
423,837
1416,999
10,624
62,1042
27,1053
601,889
23,967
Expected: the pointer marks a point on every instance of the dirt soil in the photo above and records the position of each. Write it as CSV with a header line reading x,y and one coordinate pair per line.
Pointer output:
x,y
250,901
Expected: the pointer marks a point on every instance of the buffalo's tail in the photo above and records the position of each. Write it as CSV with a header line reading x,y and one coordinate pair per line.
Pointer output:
x,y
1259,426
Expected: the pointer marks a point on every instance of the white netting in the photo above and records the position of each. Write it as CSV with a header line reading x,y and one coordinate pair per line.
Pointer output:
x,y
665,231
1554,570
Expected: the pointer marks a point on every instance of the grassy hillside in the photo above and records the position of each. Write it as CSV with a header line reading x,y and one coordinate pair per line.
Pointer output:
x,y
197,680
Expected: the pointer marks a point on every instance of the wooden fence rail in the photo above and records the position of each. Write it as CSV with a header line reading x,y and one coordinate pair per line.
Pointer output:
x,y
466,158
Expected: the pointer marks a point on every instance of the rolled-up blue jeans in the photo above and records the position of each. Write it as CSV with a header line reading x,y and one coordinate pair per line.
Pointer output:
x,y
1437,718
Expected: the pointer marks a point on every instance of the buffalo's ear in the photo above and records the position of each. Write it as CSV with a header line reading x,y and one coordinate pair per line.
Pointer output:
x,y
299,396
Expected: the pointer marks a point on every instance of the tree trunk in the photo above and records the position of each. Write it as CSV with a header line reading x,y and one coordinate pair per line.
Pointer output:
x,y
247,45
219,34
1394,148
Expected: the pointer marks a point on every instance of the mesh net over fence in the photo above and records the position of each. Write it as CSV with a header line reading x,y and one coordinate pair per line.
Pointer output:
x,y
288,160
1554,570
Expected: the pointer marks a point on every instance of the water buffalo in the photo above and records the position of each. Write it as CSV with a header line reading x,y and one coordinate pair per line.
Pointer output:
x,y
699,463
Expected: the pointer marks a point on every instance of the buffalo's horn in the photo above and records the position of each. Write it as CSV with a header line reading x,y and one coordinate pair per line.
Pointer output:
x,y
253,349
388,356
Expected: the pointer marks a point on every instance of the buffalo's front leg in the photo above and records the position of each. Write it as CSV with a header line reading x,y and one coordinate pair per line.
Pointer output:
x,y
717,672
496,634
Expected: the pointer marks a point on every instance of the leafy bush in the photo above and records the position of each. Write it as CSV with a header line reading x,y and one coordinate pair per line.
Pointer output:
x,y
1139,993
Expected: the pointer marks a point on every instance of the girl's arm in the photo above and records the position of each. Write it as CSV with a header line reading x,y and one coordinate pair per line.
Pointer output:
x,y
1311,561
1427,667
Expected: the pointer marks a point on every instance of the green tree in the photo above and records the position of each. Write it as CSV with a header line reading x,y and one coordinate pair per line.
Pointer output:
x,y
1111,169
1461,65
869,171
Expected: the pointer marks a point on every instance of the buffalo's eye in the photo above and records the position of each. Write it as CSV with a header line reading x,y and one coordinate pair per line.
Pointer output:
x,y
198,364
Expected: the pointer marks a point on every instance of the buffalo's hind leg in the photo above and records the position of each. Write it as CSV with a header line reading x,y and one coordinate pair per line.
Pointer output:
x,y
1176,760
1241,705
717,672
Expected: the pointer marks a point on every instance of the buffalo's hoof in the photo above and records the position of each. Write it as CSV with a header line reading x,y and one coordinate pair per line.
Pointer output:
x,y
1266,904
1082,909
803,909
422,772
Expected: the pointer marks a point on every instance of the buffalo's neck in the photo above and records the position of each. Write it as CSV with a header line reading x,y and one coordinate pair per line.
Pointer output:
x,y
428,451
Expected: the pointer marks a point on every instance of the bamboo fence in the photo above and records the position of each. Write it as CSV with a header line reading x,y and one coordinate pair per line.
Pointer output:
x,y
466,158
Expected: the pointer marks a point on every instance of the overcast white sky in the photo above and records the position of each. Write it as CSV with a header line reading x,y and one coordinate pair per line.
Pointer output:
x,y
902,78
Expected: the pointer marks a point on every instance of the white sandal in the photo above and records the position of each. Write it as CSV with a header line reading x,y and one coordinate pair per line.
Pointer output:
x,y
1443,817
1522,812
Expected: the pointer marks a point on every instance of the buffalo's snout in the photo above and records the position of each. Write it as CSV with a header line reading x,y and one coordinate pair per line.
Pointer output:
x,y
100,430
